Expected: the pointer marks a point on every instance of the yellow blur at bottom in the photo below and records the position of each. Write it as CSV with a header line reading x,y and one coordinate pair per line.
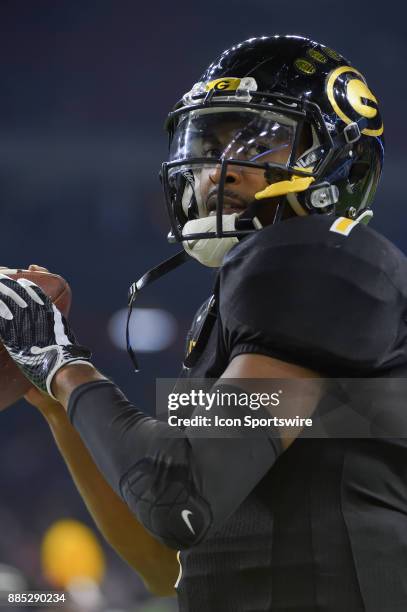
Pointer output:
x,y
70,552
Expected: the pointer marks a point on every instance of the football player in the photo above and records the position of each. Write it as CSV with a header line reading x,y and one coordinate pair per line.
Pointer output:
x,y
275,157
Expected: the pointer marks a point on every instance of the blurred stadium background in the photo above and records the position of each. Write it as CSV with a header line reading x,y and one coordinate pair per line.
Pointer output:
x,y
85,89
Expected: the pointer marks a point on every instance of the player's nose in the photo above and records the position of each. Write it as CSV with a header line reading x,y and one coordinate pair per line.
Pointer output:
x,y
233,175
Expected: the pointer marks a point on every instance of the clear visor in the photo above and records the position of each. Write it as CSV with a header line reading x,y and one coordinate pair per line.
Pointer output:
x,y
249,135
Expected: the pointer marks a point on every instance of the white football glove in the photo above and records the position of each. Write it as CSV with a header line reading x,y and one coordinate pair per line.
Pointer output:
x,y
34,332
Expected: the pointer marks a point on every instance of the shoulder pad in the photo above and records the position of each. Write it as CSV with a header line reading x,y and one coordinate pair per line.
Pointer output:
x,y
308,295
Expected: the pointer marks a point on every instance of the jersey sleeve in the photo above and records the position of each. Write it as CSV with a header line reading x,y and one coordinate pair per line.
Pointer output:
x,y
304,294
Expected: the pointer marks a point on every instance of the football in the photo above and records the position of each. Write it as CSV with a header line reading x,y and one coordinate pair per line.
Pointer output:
x,y
13,385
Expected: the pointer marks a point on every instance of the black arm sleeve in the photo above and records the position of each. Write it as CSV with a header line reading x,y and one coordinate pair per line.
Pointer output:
x,y
180,486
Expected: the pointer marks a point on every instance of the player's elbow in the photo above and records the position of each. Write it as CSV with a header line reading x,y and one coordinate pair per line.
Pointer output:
x,y
180,527
168,506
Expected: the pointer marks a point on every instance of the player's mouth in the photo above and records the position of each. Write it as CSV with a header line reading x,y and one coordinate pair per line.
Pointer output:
x,y
232,203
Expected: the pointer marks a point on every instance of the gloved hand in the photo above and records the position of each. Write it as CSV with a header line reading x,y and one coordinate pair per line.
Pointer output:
x,y
34,332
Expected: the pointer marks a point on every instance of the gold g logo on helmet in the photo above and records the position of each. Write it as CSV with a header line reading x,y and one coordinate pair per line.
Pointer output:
x,y
351,99
225,84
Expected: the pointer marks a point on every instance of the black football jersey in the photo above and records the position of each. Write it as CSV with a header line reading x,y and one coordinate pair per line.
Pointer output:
x,y
326,529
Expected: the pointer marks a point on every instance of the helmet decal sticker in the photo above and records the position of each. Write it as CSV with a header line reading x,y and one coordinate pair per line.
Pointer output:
x,y
317,55
332,54
226,84
303,65
352,100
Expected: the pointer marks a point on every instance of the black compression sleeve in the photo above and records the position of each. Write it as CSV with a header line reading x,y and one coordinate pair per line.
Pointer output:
x,y
180,486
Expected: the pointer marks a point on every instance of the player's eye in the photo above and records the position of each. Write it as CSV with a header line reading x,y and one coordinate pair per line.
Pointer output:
x,y
212,152
257,149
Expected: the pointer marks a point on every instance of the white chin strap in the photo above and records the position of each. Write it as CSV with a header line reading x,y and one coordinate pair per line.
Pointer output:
x,y
210,251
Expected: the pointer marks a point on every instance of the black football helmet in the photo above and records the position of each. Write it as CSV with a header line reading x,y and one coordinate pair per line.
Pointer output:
x,y
284,107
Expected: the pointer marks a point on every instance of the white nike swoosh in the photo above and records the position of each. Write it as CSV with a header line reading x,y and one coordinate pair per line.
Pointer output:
x,y
185,515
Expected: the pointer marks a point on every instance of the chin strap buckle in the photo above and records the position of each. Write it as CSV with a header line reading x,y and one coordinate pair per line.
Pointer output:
x,y
323,195
352,133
